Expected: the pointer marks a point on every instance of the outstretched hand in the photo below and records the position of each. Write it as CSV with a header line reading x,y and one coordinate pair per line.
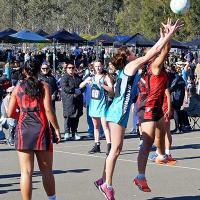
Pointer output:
x,y
166,27
170,28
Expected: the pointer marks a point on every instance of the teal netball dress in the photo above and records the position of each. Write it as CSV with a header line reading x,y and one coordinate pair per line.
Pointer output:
x,y
99,99
126,91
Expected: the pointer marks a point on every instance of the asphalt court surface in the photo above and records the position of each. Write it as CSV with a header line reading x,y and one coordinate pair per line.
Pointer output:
x,y
75,171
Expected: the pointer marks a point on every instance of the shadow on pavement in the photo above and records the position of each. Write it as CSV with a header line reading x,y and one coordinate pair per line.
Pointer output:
x,y
38,173
11,190
3,176
127,152
185,132
57,171
187,146
177,198
130,136
3,191
85,138
10,149
77,170
188,158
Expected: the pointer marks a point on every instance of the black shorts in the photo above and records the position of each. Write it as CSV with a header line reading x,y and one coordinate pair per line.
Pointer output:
x,y
151,116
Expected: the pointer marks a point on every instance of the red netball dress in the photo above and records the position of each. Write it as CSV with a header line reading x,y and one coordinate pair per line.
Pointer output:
x,y
151,101
32,132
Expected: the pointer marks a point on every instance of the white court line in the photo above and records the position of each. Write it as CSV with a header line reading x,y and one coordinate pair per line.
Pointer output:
x,y
66,146
127,142
125,160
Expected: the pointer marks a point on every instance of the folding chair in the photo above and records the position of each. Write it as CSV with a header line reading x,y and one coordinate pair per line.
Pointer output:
x,y
194,121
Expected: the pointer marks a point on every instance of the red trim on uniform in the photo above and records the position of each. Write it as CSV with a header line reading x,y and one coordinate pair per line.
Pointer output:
x,y
20,137
39,141
45,126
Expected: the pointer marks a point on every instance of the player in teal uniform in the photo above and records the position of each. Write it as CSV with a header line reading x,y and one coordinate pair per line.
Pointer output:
x,y
123,95
100,84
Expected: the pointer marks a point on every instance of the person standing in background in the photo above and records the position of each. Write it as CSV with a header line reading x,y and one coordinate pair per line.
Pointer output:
x,y
72,100
101,84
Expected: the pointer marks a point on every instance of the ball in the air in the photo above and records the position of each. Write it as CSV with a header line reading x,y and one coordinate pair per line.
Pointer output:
x,y
180,6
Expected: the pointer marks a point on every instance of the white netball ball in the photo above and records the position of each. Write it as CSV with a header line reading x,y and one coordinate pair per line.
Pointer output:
x,y
180,6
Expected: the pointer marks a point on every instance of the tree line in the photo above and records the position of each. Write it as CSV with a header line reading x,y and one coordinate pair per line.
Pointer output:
x,y
93,17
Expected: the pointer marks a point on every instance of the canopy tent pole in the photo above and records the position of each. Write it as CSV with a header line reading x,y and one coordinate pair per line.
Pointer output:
x,y
54,56
65,47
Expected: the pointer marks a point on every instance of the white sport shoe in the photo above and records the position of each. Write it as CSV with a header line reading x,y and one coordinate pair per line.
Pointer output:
x,y
67,136
134,132
77,136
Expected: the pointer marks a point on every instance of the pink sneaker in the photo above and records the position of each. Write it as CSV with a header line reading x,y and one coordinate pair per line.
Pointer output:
x,y
109,194
98,183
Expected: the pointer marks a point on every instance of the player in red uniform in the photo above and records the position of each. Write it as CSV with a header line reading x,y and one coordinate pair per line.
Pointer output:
x,y
33,135
152,115
167,110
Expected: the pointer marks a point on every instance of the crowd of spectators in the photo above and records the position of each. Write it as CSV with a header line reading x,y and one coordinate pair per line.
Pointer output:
x,y
71,68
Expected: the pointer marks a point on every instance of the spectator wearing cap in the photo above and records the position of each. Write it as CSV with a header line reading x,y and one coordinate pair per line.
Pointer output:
x,y
189,56
5,122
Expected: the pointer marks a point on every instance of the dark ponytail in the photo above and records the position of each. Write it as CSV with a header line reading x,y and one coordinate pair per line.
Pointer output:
x,y
33,86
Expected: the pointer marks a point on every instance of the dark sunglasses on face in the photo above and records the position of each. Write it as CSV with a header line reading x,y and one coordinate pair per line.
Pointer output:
x,y
70,67
45,68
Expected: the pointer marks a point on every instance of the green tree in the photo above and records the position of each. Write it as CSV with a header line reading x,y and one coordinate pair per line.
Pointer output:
x,y
128,17
97,16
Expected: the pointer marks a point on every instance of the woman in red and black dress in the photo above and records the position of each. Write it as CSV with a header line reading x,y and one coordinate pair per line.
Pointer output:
x,y
33,136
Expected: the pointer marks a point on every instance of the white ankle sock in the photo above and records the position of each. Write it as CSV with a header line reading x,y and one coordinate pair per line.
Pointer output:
x,y
52,197
109,186
161,157
167,151
157,152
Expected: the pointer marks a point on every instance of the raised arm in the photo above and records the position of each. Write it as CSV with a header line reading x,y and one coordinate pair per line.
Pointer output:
x,y
158,62
133,66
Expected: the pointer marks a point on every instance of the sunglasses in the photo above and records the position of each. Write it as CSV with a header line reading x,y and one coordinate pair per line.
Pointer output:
x,y
70,67
45,68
